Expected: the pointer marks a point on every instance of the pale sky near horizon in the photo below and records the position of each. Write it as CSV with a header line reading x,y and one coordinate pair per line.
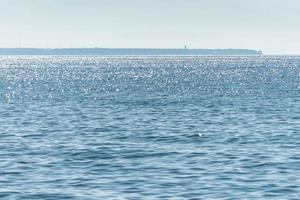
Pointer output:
x,y
268,25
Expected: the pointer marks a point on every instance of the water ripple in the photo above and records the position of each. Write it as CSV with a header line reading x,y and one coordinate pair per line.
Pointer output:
x,y
149,127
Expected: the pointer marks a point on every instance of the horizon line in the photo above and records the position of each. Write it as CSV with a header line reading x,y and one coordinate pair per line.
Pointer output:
x,y
185,48
126,51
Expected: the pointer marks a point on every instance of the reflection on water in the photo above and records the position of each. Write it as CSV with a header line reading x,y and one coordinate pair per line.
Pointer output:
x,y
149,127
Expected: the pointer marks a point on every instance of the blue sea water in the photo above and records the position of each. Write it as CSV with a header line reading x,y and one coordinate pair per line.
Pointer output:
x,y
149,127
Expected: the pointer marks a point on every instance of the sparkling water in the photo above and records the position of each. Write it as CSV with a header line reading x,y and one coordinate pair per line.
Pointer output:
x,y
149,127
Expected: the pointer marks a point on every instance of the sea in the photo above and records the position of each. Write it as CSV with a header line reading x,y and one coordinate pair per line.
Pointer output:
x,y
149,127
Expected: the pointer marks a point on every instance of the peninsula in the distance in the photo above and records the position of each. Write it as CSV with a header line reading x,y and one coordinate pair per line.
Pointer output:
x,y
125,51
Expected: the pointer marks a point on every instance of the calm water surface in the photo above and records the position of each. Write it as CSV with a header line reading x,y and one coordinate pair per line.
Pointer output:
x,y
149,127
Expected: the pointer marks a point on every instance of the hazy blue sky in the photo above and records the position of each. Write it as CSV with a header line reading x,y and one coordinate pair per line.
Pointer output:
x,y
269,25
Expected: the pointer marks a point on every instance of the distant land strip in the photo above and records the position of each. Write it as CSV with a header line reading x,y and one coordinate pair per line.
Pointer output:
x,y
125,51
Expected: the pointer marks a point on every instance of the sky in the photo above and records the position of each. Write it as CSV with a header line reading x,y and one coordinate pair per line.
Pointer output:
x,y
269,25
